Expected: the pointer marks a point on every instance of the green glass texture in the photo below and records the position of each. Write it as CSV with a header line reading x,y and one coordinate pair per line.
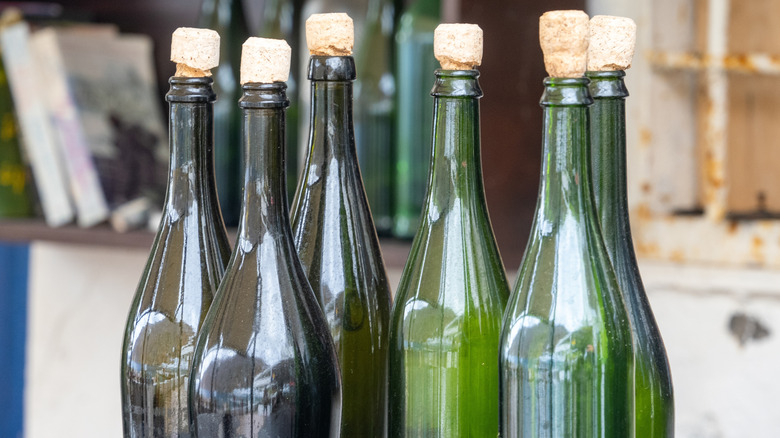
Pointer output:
x,y
185,267
14,177
227,18
566,347
446,319
281,19
653,395
336,241
414,64
265,365
374,118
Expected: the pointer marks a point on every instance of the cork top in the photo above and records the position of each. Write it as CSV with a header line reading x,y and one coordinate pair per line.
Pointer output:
x,y
612,41
330,34
195,51
564,39
265,60
458,46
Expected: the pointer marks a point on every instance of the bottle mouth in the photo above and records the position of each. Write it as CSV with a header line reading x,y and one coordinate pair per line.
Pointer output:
x,y
456,83
566,92
192,90
258,95
332,68
607,84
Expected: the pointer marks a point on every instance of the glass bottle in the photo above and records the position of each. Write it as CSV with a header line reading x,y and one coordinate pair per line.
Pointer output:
x,y
566,347
374,119
227,18
14,178
446,319
414,64
184,269
654,401
339,249
281,19
265,364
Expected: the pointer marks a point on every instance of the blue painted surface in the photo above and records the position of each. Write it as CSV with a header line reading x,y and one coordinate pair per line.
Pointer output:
x,y
14,268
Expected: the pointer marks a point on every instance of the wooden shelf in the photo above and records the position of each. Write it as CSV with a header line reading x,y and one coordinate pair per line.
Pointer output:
x,y
394,251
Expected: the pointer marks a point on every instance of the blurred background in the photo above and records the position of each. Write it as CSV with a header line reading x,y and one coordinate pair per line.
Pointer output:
x,y
83,156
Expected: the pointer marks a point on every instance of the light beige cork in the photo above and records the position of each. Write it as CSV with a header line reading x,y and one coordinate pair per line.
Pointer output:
x,y
330,34
265,60
458,46
195,51
612,41
563,36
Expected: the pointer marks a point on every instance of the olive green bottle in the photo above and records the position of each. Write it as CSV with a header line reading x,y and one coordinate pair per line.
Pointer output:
x,y
654,401
337,244
185,267
265,365
566,347
14,177
446,318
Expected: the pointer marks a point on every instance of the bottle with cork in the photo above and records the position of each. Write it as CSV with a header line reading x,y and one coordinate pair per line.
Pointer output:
x,y
334,232
265,363
446,320
566,346
610,52
188,256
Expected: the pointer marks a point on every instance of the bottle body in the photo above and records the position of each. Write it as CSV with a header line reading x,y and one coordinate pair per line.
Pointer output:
x,y
447,314
14,178
178,284
414,63
566,348
653,392
337,244
265,364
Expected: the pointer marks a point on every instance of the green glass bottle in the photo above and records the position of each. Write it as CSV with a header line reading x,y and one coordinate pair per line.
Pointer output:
x,y
566,347
374,118
265,365
414,64
337,243
281,20
14,178
227,18
184,269
654,402
446,319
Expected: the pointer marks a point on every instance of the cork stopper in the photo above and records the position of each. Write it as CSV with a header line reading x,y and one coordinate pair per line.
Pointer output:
x,y
612,41
330,34
564,39
195,51
265,60
458,46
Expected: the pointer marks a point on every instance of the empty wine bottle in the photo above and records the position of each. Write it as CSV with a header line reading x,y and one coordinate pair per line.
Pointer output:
x,y
227,18
446,319
610,52
566,348
265,364
335,235
375,101
414,63
187,259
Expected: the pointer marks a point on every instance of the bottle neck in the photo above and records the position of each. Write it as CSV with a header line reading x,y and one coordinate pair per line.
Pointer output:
x,y
565,191
608,157
332,132
191,172
456,170
264,208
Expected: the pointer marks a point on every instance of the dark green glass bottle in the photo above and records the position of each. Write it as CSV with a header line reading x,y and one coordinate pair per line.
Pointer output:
x,y
654,402
339,249
14,178
227,18
184,269
447,314
374,118
566,347
265,365
414,64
